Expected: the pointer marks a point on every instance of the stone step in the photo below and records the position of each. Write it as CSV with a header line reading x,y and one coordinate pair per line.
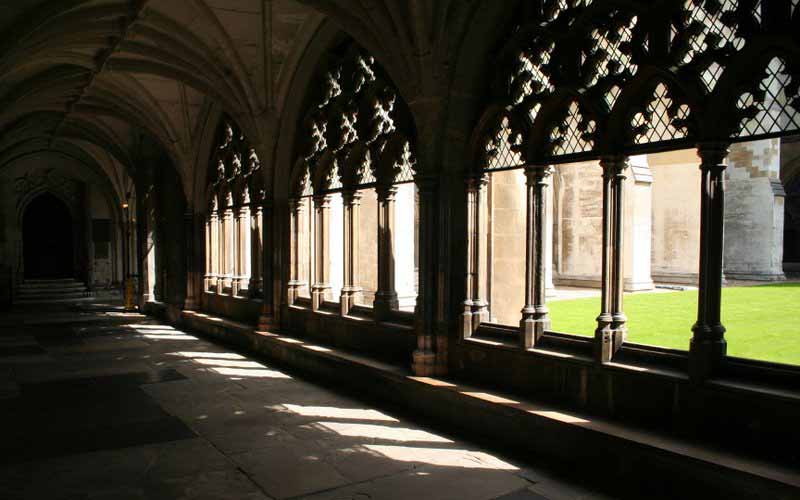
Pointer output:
x,y
51,281
34,289
51,300
56,294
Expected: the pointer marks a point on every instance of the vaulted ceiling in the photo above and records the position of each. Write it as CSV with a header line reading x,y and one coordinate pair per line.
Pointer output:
x,y
99,75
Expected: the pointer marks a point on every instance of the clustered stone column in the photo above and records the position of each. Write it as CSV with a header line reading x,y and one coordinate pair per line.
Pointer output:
x,y
386,295
611,323
708,345
535,315
227,247
212,245
321,289
256,248
424,358
240,249
476,307
296,283
192,229
267,318
350,289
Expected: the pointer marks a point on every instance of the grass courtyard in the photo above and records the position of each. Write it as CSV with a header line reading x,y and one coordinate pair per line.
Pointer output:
x,y
762,322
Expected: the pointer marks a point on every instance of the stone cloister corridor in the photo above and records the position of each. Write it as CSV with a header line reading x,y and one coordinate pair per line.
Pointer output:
x,y
112,405
394,249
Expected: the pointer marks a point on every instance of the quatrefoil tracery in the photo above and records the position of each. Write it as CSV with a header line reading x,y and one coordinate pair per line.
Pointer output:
x,y
350,129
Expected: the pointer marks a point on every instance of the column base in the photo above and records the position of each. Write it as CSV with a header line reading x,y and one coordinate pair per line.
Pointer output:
x,y
604,339
384,303
424,364
348,298
480,313
319,294
190,305
705,357
266,322
254,289
531,330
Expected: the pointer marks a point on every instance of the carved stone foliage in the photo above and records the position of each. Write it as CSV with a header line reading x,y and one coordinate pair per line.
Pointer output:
x,y
236,169
47,179
577,79
354,127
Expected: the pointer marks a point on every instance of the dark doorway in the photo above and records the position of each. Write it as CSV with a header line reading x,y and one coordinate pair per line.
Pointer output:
x,y
791,226
47,239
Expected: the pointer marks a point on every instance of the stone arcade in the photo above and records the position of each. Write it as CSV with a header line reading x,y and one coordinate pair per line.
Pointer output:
x,y
384,196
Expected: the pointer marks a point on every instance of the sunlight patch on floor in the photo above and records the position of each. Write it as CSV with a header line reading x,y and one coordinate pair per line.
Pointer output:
x,y
441,457
333,412
373,431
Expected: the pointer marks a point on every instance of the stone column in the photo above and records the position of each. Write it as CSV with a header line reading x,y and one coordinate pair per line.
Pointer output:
x,y
611,328
267,319
243,248
350,289
256,249
619,320
424,357
467,326
638,216
754,212
208,277
213,283
480,297
476,307
386,295
550,288
708,345
149,274
321,289
535,315
228,248
193,273
295,284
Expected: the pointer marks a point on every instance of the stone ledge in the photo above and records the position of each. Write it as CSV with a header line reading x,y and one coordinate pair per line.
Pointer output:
x,y
620,456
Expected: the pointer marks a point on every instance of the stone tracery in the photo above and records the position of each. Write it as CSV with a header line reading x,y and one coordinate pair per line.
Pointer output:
x,y
234,215
595,81
359,143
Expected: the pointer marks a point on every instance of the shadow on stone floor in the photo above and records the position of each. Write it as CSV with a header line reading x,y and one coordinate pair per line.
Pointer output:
x,y
142,410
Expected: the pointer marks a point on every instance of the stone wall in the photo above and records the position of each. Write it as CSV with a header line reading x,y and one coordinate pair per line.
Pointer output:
x,y
754,212
367,277
676,216
507,246
578,210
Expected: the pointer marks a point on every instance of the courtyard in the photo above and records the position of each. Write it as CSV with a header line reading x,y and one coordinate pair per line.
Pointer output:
x,y
761,320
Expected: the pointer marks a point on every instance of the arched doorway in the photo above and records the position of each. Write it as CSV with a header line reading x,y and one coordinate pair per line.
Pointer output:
x,y
47,239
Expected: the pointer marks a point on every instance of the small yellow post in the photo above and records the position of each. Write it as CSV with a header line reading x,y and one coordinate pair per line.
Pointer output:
x,y
130,305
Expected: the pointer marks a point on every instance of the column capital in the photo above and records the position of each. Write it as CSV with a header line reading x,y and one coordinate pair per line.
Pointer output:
x,y
385,191
295,203
351,196
538,173
614,165
712,155
476,180
322,200
426,183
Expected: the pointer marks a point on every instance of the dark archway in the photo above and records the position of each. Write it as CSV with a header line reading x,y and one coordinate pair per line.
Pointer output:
x,y
791,226
47,239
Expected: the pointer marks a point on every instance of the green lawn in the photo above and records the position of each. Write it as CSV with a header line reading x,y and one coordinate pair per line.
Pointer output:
x,y
762,322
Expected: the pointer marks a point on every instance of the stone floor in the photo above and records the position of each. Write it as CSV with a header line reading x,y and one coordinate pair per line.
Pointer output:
x,y
98,404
